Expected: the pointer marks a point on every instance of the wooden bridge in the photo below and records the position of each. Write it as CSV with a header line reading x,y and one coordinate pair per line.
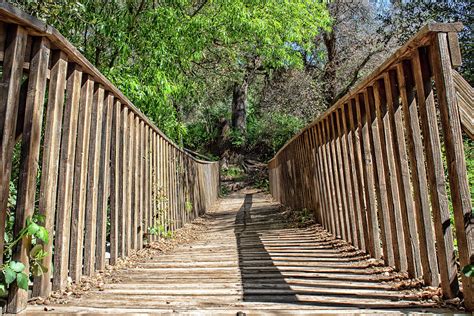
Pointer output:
x,y
372,169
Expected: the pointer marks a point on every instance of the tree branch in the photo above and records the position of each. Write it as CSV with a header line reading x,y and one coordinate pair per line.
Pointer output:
x,y
199,8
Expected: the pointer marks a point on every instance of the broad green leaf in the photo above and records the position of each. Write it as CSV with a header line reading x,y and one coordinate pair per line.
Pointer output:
x,y
10,275
33,228
3,290
17,266
35,250
468,270
42,234
22,281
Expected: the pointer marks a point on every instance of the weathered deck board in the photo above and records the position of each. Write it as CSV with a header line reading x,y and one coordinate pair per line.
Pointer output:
x,y
250,261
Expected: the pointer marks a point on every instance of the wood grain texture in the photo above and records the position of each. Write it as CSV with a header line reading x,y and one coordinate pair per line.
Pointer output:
x,y
418,175
80,179
104,183
394,108
450,120
435,171
115,183
12,69
94,166
66,178
50,163
31,138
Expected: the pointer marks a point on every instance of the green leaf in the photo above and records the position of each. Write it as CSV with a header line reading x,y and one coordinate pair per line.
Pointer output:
x,y
39,218
42,234
3,290
468,270
35,250
36,269
33,228
17,266
10,275
22,281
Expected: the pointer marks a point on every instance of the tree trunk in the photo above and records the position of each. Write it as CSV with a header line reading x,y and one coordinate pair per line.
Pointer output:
x,y
239,106
329,76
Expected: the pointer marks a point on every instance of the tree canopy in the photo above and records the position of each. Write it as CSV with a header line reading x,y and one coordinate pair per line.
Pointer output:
x,y
243,75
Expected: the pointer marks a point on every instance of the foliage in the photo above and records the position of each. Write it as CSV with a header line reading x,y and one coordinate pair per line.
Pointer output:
x,y
13,271
160,230
405,19
223,191
166,55
263,184
469,156
232,172
188,206
468,270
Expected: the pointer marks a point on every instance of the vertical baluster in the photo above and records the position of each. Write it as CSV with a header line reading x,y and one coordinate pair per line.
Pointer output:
x,y
130,186
93,181
348,162
333,163
123,165
418,175
31,138
357,175
394,109
395,245
12,70
115,184
80,179
66,179
342,179
368,175
104,183
447,102
141,185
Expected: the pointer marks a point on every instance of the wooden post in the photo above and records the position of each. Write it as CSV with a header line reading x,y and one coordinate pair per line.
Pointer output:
x,y
104,183
146,183
12,70
66,179
368,175
434,166
418,176
115,183
29,161
343,178
130,186
123,165
447,102
328,177
93,181
348,161
357,175
379,180
80,179
141,186
394,108
50,163
133,182
392,221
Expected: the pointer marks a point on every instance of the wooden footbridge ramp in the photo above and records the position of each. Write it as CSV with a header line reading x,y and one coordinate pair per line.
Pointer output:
x,y
381,171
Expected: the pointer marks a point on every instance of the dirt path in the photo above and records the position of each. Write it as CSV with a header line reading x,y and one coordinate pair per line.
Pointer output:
x,y
246,257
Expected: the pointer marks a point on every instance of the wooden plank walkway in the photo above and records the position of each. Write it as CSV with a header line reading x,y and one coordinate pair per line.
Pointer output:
x,y
250,261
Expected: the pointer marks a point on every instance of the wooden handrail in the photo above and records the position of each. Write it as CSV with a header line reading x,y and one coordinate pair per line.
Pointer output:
x,y
102,159
372,166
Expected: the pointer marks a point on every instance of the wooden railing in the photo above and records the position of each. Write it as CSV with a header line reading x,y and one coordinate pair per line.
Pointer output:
x,y
372,167
102,161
